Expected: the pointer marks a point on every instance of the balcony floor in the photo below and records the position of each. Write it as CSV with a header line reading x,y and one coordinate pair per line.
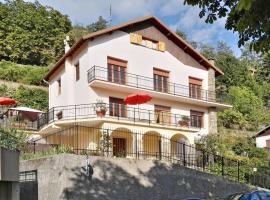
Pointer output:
x,y
159,95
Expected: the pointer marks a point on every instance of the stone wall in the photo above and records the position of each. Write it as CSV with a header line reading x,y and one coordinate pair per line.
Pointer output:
x,y
63,177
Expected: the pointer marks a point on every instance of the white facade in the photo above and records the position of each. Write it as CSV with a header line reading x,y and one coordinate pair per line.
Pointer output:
x,y
261,141
140,61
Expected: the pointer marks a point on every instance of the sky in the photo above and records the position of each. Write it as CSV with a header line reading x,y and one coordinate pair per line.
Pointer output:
x,y
172,12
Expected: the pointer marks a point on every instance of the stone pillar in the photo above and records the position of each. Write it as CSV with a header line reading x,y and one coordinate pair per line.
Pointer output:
x,y
212,119
211,85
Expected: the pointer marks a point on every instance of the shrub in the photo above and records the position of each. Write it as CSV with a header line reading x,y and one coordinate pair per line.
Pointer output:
x,y
12,139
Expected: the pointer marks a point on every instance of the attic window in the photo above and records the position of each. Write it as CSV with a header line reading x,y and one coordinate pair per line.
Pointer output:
x,y
147,42
152,44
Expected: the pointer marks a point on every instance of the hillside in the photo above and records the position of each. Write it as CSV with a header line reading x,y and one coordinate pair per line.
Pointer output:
x,y
25,84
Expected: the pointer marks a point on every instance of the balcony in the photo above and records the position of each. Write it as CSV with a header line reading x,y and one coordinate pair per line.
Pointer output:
x,y
127,82
115,113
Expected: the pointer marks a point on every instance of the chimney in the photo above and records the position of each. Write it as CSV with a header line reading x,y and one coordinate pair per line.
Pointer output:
x,y
212,61
67,47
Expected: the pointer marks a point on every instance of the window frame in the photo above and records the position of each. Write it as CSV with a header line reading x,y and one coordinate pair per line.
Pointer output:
x,y
198,115
161,78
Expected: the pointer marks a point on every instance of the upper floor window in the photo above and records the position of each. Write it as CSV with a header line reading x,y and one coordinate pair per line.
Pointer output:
x,y
59,86
152,44
77,71
161,80
162,114
196,119
117,107
117,70
195,88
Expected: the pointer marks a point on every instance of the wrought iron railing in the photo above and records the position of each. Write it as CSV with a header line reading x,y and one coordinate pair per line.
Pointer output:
x,y
142,82
87,140
117,112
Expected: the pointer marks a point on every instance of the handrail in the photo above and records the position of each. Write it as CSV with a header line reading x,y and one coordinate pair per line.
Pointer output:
x,y
143,82
134,114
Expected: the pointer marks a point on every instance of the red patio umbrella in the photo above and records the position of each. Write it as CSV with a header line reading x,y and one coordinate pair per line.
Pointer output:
x,y
5,101
136,99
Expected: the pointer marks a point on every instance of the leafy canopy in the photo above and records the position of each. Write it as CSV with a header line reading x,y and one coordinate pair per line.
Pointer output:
x,y
31,33
250,18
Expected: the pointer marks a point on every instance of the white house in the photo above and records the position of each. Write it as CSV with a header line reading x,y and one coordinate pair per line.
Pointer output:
x,y
263,138
140,56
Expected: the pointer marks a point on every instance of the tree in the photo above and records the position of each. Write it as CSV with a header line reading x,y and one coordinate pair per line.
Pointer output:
x,y
181,34
250,18
100,24
12,139
31,33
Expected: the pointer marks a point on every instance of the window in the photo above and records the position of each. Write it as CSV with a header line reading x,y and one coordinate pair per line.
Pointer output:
x,y
77,71
117,70
117,107
161,80
162,114
196,119
195,88
152,44
59,85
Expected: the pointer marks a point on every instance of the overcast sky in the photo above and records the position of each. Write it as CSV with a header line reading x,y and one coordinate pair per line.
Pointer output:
x,y
172,12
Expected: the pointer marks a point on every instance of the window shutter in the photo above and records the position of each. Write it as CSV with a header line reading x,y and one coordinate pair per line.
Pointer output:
x,y
135,38
161,46
139,39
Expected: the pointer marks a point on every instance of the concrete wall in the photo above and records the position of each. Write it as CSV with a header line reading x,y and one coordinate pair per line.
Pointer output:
x,y
62,177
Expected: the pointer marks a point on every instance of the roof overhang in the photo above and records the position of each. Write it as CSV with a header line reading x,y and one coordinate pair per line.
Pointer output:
x,y
162,27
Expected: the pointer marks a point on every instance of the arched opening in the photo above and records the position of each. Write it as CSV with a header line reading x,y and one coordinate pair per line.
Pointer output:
x,y
152,145
179,147
122,142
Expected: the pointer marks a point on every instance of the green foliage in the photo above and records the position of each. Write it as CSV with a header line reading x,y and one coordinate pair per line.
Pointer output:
x,y
31,33
79,30
29,97
181,34
248,104
230,118
12,139
53,151
249,18
26,74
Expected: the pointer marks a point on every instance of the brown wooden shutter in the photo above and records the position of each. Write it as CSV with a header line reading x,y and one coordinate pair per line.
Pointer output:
x,y
116,61
135,38
268,143
195,81
161,46
161,72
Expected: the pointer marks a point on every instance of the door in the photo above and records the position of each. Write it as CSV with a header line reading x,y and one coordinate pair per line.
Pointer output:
x,y
162,114
117,70
119,147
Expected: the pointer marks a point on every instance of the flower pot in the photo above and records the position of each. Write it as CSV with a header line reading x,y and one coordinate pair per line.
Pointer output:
x,y
183,123
101,113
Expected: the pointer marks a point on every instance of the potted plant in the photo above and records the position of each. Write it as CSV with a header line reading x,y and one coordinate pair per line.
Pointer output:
x,y
184,122
100,108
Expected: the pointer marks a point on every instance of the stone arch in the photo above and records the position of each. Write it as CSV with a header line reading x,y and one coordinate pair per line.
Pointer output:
x,y
152,144
122,142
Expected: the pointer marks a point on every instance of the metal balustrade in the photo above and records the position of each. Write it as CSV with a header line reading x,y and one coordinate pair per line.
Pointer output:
x,y
86,140
123,113
142,82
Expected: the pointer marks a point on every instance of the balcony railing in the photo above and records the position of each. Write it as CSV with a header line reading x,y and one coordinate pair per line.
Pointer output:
x,y
114,111
142,82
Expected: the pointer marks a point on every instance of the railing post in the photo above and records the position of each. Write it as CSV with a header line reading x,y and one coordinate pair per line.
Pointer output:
x,y
222,166
184,154
238,170
134,115
203,157
174,88
149,117
34,147
94,73
52,114
75,112
137,81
